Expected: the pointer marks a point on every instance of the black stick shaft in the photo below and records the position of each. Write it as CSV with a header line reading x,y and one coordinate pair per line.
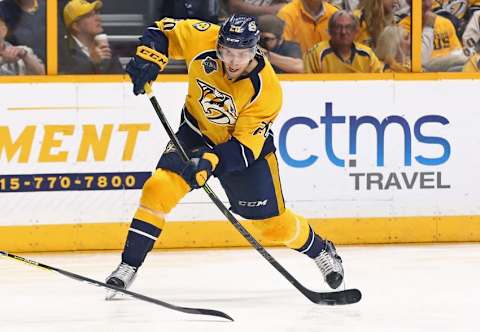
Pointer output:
x,y
138,296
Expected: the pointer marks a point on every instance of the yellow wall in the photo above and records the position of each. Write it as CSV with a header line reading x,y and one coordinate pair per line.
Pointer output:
x,y
212,234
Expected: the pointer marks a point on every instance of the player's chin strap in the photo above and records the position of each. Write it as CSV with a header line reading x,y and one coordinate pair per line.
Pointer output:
x,y
347,296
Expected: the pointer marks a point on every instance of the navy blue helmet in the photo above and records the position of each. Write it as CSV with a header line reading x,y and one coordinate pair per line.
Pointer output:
x,y
239,31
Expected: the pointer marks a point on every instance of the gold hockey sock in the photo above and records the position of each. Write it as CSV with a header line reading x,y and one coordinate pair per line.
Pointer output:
x,y
161,192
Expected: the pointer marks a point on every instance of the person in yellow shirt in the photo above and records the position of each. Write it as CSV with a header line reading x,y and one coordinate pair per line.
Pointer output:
x,y
445,38
341,54
233,98
306,22
374,16
473,64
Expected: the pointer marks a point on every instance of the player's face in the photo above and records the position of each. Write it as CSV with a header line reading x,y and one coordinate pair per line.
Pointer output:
x,y
235,60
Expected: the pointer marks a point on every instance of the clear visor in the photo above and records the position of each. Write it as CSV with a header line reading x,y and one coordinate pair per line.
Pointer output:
x,y
236,55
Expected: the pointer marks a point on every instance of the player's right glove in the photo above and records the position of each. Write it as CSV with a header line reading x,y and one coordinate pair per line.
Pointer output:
x,y
200,167
144,67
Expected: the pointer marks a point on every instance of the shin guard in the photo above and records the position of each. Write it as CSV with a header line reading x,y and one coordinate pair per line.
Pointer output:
x,y
161,192
140,240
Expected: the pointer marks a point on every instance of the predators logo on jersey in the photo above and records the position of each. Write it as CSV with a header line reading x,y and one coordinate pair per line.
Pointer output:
x,y
218,106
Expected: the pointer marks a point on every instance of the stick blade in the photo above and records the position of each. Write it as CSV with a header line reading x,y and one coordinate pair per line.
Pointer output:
x,y
209,312
343,297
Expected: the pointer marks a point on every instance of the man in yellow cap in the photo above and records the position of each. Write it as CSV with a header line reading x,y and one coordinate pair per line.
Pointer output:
x,y
86,49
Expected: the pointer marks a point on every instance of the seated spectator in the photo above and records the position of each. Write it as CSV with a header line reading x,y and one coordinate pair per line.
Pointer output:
x,y
349,5
306,22
473,64
393,49
445,39
473,6
256,7
204,10
453,10
374,16
17,60
285,56
341,54
401,9
471,35
86,49
26,21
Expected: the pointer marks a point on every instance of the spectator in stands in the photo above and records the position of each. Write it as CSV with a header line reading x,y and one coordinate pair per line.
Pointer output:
x,y
306,22
204,10
473,64
473,6
285,56
17,60
471,35
26,21
341,54
393,49
86,49
256,7
401,9
447,50
428,36
453,10
374,16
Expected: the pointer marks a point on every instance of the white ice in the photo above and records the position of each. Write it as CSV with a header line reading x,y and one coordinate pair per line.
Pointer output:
x,y
405,288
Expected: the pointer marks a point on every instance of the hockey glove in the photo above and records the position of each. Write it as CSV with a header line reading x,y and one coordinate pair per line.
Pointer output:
x,y
200,167
144,67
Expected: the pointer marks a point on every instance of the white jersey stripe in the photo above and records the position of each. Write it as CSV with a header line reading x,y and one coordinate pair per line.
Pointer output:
x,y
142,233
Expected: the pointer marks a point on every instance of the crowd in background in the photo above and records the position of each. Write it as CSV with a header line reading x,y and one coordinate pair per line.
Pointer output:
x,y
297,36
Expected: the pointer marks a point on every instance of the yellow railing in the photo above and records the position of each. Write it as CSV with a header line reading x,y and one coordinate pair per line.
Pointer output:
x,y
416,36
52,61
52,37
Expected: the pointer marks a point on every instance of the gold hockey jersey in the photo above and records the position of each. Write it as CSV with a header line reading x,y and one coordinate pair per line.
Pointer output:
x,y
322,59
244,108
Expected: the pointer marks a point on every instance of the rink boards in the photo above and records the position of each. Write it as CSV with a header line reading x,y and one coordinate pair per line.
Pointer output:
x,y
366,161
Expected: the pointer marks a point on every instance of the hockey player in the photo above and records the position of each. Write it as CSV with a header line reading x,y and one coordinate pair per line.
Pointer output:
x,y
233,98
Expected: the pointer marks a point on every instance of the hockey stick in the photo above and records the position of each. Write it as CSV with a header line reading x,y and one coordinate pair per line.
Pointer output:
x,y
347,296
78,277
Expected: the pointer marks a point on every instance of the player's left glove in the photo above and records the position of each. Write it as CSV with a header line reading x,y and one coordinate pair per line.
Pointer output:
x,y
200,167
144,67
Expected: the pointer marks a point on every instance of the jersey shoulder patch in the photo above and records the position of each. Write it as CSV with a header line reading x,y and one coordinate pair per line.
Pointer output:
x,y
167,24
202,26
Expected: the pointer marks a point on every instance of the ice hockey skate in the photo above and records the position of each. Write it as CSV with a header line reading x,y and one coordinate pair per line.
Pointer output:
x,y
122,277
330,264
